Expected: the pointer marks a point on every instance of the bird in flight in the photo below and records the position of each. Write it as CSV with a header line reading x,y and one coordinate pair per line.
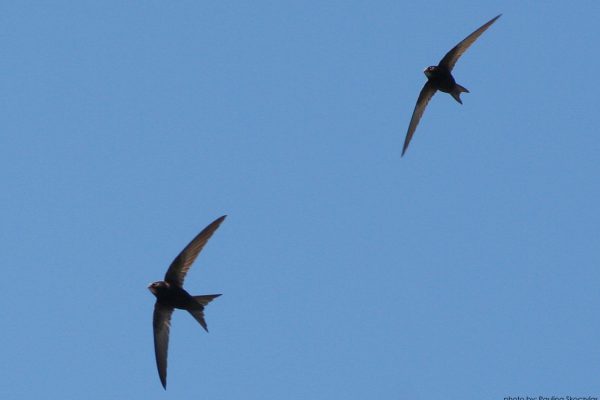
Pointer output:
x,y
170,294
439,77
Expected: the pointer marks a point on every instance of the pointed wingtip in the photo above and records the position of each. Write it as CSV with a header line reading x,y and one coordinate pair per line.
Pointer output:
x,y
495,18
404,150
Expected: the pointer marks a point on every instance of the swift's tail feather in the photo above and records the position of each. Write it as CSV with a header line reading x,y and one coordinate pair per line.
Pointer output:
x,y
205,298
198,312
458,89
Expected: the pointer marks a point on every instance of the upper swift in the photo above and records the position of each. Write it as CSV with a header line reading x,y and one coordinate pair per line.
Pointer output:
x,y
170,294
439,77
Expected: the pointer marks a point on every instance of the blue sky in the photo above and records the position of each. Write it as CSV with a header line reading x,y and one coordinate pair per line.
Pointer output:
x,y
467,269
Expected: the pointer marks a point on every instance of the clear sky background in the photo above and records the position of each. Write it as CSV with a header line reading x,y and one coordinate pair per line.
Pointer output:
x,y
469,268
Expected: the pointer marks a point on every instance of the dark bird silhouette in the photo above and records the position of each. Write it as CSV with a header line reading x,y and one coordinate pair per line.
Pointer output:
x,y
170,294
439,77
